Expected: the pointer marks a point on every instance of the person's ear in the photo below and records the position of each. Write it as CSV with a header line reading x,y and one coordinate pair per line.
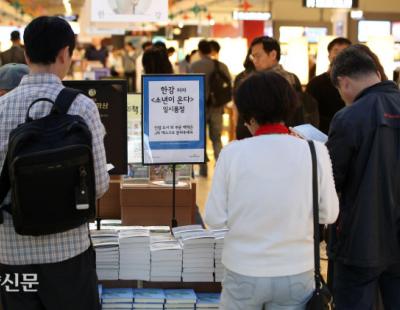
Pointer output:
x,y
63,55
379,75
273,54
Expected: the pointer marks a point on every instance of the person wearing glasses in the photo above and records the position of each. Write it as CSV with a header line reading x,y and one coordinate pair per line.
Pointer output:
x,y
266,54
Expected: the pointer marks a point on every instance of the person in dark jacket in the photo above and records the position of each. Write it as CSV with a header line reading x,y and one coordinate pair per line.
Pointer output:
x,y
322,90
15,54
364,143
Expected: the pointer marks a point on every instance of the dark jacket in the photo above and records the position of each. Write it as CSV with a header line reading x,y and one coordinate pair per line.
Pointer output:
x,y
327,97
364,143
13,55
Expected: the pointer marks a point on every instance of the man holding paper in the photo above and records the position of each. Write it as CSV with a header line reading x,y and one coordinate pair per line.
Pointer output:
x,y
364,146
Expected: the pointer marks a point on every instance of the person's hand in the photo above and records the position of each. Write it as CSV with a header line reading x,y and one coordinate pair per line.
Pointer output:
x,y
292,132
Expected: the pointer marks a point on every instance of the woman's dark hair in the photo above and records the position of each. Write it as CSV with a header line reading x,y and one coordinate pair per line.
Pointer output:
x,y
45,36
155,60
375,58
248,64
267,97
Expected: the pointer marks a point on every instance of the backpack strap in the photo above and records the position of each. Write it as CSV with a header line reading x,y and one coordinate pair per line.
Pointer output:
x,y
4,188
64,100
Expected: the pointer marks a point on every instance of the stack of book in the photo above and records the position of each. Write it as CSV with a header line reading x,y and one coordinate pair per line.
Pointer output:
x,y
208,300
148,298
117,298
182,299
198,253
134,247
166,259
106,245
219,270
100,289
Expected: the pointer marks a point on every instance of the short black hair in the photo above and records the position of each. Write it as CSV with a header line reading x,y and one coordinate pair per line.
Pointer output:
x,y
171,50
267,97
15,36
146,45
45,36
269,45
352,62
155,61
204,47
215,47
338,41
161,45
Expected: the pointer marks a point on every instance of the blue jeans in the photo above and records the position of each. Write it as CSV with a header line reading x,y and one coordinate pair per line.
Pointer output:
x,y
241,292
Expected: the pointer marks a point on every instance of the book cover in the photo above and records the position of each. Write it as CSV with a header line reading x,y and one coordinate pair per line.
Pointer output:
x,y
148,295
180,296
117,295
208,299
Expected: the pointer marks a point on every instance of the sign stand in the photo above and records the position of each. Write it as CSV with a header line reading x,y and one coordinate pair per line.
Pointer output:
x,y
173,123
174,222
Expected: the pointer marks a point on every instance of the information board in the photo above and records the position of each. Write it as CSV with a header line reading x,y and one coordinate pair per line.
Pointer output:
x,y
173,122
110,97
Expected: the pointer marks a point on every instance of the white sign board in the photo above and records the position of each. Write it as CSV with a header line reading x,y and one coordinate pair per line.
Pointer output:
x,y
129,11
173,119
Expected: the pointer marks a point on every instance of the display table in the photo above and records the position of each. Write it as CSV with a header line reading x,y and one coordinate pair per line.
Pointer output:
x,y
150,204
109,206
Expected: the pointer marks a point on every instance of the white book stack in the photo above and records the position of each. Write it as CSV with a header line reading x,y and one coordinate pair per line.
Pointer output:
x,y
134,262
166,259
219,270
198,253
106,245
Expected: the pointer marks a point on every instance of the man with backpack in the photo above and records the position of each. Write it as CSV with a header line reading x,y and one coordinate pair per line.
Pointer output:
x,y
50,270
218,93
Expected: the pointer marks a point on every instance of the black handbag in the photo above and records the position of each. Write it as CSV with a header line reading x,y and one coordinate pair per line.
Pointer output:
x,y
322,297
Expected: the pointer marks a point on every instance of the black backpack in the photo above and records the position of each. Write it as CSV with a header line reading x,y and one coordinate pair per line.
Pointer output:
x,y
49,168
220,87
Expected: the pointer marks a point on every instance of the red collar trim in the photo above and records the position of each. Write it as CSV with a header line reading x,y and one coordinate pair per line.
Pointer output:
x,y
269,129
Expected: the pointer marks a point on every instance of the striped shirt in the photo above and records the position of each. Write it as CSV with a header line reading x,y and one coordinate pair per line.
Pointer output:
x,y
16,249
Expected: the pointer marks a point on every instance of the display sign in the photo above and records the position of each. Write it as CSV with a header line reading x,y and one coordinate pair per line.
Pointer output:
x,y
241,15
129,11
134,128
110,97
330,4
173,121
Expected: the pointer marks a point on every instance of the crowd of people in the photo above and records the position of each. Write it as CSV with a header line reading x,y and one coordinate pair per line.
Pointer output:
x,y
263,184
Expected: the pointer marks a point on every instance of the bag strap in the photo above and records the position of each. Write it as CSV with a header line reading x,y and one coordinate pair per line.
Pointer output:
x,y
217,69
64,100
4,188
317,266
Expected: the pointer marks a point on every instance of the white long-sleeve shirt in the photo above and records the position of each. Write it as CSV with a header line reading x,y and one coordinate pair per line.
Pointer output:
x,y
262,191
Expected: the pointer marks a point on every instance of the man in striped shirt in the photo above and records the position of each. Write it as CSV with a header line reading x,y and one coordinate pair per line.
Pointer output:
x,y
53,271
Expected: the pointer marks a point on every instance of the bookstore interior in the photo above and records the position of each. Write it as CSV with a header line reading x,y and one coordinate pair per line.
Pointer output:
x,y
152,248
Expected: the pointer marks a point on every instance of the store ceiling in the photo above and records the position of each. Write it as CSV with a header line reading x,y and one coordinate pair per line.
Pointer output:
x,y
45,7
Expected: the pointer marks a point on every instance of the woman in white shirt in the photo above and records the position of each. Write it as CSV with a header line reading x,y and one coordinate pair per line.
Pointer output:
x,y
262,191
